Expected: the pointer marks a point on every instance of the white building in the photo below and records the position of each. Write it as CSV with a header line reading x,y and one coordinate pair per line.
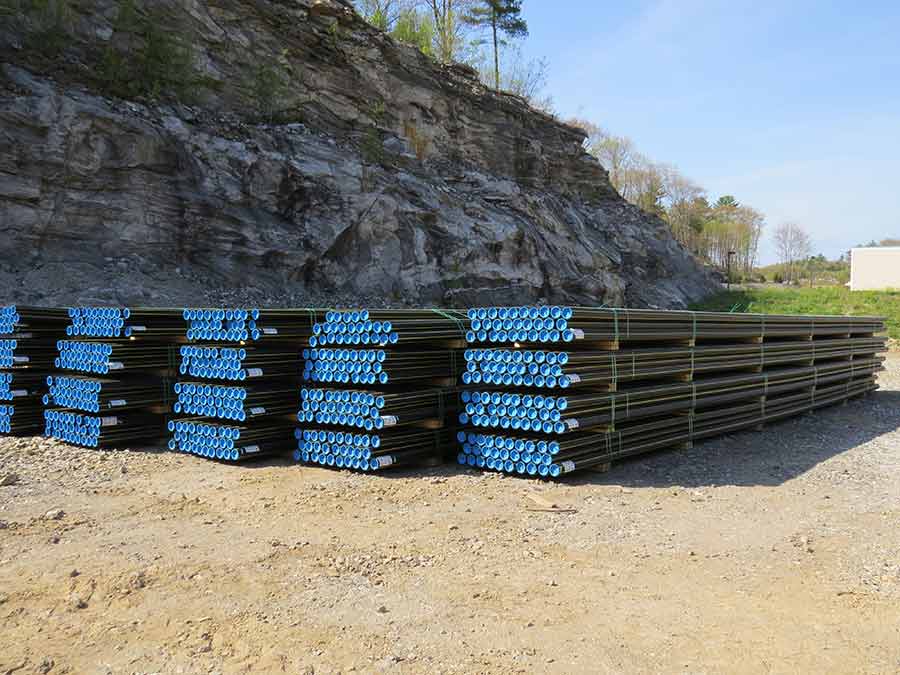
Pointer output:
x,y
875,268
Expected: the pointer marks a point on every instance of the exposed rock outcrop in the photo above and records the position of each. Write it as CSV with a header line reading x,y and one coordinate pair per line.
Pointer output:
x,y
376,174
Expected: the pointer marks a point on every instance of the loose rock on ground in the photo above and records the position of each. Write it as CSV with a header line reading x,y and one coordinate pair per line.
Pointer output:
x,y
759,552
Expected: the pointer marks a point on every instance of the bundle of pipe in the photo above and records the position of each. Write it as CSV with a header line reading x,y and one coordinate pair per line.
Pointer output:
x,y
397,327
102,432
230,443
536,325
236,404
100,358
560,370
392,398
96,396
371,452
637,381
27,339
238,363
371,410
291,326
220,417
125,355
149,323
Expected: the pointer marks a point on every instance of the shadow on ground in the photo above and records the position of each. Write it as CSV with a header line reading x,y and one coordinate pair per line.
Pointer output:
x,y
779,453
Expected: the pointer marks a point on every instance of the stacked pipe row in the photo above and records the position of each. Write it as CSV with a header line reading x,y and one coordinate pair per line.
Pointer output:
x,y
235,398
379,388
110,384
28,338
558,389
546,390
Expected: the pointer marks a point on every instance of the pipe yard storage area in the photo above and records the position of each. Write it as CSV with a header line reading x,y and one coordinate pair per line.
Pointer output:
x,y
440,491
538,391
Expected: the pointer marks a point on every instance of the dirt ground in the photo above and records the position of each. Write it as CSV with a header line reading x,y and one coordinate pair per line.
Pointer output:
x,y
762,552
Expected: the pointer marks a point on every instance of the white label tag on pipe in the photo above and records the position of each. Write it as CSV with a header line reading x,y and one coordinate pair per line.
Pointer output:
x,y
254,372
109,421
578,333
385,461
389,420
270,331
572,424
115,365
250,449
19,392
118,403
21,359
574,378
140,329
257,411
567,466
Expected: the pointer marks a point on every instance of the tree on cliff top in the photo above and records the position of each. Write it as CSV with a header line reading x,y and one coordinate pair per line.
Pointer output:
x,y
382,14
442,29
415,29
501,17
449,39
519,74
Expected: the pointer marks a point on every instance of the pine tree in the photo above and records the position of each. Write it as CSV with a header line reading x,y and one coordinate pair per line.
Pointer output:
x,y
502,17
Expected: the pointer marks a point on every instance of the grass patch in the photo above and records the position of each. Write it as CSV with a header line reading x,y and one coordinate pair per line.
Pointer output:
x,y
818,300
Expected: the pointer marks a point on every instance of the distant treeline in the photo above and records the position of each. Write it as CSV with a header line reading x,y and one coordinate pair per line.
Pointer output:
x,y
484,34
709,229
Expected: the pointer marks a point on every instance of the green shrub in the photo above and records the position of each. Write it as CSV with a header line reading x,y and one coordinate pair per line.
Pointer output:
x,y
49,23
415,29
372,146
268,88
10,8
334,34
144,57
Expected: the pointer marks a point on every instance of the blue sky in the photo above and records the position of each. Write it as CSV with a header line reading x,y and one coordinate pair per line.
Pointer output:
x,y
793,107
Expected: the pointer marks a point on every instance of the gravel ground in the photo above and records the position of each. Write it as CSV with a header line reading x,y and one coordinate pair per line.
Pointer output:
x,y
776,551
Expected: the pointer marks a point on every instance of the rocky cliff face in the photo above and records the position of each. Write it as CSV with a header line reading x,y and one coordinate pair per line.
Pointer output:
x,y
315,159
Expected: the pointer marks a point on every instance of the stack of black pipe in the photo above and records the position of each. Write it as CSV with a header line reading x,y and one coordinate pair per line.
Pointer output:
x,y
561,389
235,397
28,338
379,388
111,381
